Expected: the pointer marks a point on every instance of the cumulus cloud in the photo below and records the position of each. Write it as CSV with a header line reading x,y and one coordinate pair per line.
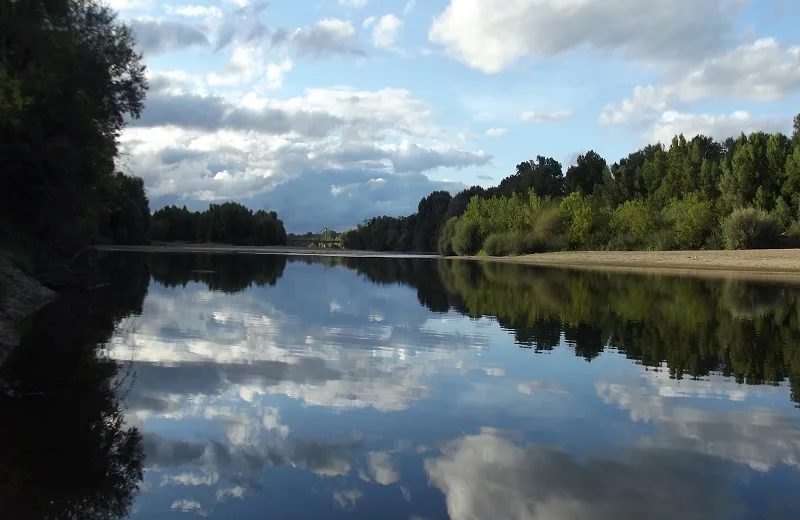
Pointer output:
x,y
496,132
193,145
347,498
160,36
761,71
719,126
325,39
532,116
536,482
321,457
381,469
758,438
386,31
194,11
491,35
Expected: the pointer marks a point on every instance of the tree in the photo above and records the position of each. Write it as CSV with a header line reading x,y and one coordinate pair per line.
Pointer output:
x,y
586,174
69,79
796,133
544,176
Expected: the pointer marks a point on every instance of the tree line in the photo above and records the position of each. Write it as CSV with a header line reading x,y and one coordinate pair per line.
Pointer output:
x,y
698,193
227,223
69,80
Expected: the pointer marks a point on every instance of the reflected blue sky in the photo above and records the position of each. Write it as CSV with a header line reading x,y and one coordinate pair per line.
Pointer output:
x,y
327,396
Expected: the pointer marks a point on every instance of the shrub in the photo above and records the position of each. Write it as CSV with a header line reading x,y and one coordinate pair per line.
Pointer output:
x,y
514,243
633,218
692,219
661,240
466,239
782,213
498,244
586,216
444,244
625,242
750,228
550,222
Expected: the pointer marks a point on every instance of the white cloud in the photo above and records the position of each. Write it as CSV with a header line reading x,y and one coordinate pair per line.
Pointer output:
x,y
532,116
194,11
353,3
386,31
188,505
347,498
536,482
410,4
381,469
327,38
756,437
491,35
719,126
368,21
130,5
496,132
762,71
204,147
531,387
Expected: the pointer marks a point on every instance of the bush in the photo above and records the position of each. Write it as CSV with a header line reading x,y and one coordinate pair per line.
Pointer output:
x,y
692,219
750,228
633,218
444,244
661,240
466,239
499,244
625,242
550,222
515,243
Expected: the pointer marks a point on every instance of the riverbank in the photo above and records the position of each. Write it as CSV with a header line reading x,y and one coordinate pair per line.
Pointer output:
x,y
21,296
764,264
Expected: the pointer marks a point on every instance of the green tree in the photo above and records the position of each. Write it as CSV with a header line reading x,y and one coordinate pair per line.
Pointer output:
x,y
586,174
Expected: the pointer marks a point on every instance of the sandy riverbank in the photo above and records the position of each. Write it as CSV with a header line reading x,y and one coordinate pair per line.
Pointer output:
x,y
766,264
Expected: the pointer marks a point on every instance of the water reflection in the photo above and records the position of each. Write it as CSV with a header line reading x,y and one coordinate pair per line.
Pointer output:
x,y
410,388
65,451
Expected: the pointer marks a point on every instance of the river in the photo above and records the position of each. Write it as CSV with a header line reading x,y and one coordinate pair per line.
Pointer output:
x,y
269,386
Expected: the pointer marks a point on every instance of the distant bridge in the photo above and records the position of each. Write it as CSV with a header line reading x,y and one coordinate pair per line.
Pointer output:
x,y
319,240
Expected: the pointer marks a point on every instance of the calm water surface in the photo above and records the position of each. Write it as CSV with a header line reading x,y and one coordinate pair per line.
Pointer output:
x,y
299,387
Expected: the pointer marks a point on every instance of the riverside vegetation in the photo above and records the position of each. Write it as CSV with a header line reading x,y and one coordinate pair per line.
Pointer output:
x,y
741,193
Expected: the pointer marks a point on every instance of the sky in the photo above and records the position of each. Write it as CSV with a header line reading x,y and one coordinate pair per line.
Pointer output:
x,y
333,111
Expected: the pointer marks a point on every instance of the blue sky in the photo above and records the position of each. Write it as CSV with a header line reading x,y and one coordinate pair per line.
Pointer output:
x,y
332,111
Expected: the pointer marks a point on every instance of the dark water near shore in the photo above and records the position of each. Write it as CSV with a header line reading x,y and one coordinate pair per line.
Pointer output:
x,y
265,386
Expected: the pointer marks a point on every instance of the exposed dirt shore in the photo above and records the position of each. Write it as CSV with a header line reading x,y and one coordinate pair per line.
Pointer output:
x,y
765,264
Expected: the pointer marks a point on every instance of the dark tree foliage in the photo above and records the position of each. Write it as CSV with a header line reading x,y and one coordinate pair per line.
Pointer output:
x,y
69,78
586,174
227,223
544,176
66,451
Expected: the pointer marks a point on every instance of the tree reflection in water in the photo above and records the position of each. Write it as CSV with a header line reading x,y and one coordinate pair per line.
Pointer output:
x,y
66,451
